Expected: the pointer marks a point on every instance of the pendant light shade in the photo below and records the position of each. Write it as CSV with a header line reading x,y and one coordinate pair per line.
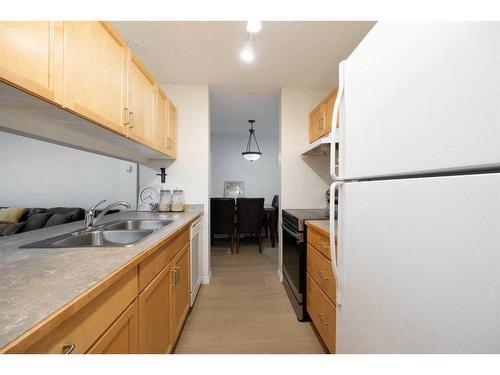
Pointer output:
x,y
249,154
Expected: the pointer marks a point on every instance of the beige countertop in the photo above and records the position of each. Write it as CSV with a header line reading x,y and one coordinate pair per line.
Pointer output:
x,y
322,226
34,283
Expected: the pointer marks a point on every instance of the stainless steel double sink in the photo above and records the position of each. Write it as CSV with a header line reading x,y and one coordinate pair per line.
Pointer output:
x,y
114,234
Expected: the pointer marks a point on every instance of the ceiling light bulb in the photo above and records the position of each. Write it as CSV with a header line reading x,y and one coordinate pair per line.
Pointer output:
x,y
254,26
247,54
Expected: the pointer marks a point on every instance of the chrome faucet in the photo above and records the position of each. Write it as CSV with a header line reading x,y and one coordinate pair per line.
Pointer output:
x,y
91,220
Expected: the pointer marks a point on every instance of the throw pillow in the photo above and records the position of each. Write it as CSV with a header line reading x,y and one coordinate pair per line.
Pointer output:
x,y
58,219
3,226
11,215
36,221
13,229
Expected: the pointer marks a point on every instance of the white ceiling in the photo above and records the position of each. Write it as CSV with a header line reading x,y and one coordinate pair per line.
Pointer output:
x,y
288,54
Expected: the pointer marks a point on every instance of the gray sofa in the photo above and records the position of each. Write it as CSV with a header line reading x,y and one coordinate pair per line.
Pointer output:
x,y
37,218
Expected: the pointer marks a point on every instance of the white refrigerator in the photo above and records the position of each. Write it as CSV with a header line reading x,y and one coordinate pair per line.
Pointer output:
x,y
416,169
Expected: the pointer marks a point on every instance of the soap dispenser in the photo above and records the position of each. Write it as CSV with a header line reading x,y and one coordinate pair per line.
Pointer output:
x,y
165,196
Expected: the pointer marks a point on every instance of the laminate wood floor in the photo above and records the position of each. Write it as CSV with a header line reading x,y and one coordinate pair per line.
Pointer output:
x,y
245,308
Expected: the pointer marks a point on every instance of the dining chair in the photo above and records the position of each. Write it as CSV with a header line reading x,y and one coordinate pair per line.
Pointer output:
x,y
275,203
249,212
266,220
222,219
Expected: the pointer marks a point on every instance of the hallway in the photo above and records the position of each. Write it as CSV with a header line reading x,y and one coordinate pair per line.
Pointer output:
x,y
245,308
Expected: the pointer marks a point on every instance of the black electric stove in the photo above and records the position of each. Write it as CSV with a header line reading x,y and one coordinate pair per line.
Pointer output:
x,y
294,255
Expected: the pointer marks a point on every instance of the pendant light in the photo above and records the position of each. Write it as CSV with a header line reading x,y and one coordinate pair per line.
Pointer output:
x,y
249,154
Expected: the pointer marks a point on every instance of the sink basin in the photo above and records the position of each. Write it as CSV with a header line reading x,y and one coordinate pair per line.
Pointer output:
x,y
114,234
137,225
103,238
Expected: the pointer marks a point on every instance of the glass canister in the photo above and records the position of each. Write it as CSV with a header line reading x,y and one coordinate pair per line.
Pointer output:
x,y
165,201
178,200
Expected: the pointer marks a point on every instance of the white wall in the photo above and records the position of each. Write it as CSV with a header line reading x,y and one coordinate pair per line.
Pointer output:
x,y
34,173
304,180
191,170
261,177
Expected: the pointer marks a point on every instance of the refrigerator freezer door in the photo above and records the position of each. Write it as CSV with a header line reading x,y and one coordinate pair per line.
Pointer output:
x,y
419,261
421,97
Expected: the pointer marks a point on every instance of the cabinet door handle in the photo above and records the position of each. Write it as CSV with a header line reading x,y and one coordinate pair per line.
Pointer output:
x,y
68,348
131,120
325,245
126,118
174,273
322,274
320,316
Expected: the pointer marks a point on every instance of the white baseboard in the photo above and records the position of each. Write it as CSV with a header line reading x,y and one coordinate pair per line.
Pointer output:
x,y
206,279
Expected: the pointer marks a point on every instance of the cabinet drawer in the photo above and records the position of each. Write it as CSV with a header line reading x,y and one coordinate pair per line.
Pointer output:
x,y
322,313
320,269
159,259
83,328
319,241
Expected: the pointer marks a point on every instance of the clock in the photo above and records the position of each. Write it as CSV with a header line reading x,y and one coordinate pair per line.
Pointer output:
x,y
148,197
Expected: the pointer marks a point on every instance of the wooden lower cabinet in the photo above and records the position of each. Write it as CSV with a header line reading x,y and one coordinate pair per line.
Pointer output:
x,y
123,336
180,291
155,314
322,312
319,241
320,284
126,316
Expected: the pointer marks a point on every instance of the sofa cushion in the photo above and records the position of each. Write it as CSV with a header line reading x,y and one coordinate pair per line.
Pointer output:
x,y
58,219
13,229
36,221
4,226
11,215
76,212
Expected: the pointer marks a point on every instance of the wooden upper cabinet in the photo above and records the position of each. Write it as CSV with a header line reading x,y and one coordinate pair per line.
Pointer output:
x,y
86,67
317,123
31,57
320,118
123,335
95,60
155,315
161,123
180,291
329,103
172,131
141,103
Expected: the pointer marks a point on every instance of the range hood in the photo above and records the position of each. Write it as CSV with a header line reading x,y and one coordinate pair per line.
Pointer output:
x,y
320,147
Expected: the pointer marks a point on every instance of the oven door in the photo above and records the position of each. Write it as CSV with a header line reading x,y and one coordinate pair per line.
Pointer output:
x,y
294,260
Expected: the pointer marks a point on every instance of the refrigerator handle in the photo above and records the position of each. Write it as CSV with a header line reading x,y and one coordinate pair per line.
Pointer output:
x,y
336,131
334,235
